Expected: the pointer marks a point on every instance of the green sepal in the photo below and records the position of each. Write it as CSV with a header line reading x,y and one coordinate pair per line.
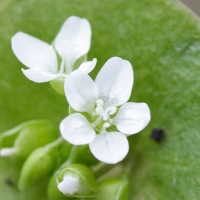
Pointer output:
x,y
58,85
28,136
85,114
85,176
42,162
112,129
71,110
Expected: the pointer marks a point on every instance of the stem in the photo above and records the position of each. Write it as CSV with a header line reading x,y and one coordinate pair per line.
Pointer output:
x,y
102,170
57,143
129,164
72,158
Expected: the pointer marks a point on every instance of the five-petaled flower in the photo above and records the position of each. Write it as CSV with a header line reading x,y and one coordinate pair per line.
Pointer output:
x,y
101,105
49,62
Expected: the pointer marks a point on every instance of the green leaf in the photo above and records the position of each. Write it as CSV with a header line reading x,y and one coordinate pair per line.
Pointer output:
x,y
161,40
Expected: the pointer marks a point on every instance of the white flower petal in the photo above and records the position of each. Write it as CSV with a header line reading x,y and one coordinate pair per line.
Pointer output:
x,y
39,76
115,81
74,38
88,66
109,147
81,92
131,118
69,185
77,130
34,53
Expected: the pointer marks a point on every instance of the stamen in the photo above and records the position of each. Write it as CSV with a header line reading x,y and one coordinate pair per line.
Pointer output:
x,y
113,111
106,125
109,111
99,102
99,110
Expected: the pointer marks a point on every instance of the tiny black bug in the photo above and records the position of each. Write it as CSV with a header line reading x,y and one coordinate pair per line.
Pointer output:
x,y
9,182
157,134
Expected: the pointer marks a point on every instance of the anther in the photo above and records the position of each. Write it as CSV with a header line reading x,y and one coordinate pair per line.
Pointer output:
x,y
99,102
98,110
106,125
113,111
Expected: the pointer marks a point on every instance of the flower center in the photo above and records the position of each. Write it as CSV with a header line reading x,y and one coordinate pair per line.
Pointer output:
x,y
103,119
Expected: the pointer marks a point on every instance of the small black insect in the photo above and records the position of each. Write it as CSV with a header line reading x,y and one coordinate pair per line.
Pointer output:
x,y
9,182
157,134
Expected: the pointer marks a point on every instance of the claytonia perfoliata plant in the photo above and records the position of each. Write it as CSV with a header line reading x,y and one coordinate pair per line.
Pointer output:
x,y
100,105
49,62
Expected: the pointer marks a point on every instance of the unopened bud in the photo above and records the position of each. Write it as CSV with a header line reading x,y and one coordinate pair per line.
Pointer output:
x,y
77,180
22,140
113,189
42,162
79,154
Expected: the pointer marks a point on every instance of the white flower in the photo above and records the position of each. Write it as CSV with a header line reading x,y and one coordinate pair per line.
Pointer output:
x,y
71,43
104,101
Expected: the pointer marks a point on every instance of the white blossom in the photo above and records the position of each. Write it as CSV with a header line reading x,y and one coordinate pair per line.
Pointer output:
x,y
104,101
48,62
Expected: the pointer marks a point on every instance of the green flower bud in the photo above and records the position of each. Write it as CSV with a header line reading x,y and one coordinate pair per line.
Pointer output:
x,y
117,189
52,190
109,189
23,139
42,162
77,181
79,154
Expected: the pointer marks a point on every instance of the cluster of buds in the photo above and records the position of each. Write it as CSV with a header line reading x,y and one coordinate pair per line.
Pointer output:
x,y
99,122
